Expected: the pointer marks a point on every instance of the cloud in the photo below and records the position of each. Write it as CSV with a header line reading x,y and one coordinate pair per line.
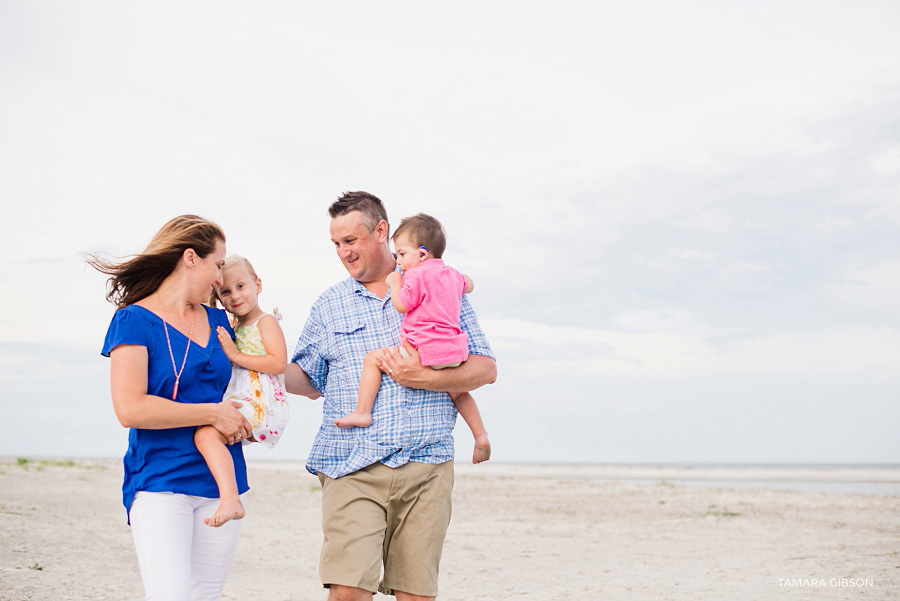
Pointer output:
x,y
868,294
691,254
707,220
738,269
883,274
887,162
34,371
669,319
678,346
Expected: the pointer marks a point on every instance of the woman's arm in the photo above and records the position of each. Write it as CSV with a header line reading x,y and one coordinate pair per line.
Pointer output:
x,y
476,371
137,409
275,359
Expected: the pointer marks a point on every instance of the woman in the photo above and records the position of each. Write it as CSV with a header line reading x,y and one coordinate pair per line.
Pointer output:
x,y
168,373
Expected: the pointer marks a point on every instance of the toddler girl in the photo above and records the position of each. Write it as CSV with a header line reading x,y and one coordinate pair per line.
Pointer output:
x,y
429,293
259,358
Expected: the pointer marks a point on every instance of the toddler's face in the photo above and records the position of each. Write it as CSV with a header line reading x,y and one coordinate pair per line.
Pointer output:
x,y
239,291
408,256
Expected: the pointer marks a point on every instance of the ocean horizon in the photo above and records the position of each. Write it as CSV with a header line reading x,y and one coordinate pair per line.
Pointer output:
x,y
829,478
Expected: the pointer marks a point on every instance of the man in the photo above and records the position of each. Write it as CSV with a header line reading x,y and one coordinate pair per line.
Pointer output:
x,y
385,488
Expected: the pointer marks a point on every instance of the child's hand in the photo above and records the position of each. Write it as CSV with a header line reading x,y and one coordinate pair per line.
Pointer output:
x,y
227,343
393,280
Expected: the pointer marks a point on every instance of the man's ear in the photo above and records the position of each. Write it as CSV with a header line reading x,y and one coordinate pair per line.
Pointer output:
x,y
382,229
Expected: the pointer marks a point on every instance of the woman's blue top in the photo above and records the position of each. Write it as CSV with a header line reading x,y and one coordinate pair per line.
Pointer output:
x,y
167,460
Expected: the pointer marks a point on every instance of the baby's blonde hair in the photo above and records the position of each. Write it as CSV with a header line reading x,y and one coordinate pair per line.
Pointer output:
x,y
232,260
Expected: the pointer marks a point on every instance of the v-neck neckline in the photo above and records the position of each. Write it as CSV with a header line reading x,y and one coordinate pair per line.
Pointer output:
x,y
182,334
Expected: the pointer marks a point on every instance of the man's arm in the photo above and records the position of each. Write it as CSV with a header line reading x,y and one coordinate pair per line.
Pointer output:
x,y
297,379
475,372
297,382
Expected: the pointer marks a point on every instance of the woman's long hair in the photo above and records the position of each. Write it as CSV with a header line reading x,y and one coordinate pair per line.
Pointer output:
x,y
141,275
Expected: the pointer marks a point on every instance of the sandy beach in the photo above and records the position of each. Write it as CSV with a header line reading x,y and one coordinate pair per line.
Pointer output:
x,y
518,532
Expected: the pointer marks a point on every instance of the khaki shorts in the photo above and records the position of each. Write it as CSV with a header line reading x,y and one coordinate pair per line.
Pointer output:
x,y
391,517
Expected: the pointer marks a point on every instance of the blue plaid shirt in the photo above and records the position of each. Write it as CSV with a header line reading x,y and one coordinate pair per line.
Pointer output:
x,y
408,424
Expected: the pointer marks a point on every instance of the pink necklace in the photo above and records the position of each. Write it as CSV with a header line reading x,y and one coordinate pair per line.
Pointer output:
x,y
187,347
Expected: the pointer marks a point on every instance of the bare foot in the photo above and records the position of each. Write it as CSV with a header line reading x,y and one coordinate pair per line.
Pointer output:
x,y
354,420
482,449
229,509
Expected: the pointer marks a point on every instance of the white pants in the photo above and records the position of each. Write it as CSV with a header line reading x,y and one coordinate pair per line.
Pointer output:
x,y
181,558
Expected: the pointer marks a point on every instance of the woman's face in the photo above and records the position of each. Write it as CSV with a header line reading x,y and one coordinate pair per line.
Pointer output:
x,y
207,271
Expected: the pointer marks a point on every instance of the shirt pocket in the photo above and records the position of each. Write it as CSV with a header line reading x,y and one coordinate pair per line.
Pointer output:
x,y
347,351
348,328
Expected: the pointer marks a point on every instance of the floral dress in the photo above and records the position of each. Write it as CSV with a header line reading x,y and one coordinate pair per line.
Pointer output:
x,y
262,395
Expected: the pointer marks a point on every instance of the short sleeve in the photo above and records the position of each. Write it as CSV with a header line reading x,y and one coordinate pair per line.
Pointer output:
x,y
468,322
126,328
411,290
463,283
308,354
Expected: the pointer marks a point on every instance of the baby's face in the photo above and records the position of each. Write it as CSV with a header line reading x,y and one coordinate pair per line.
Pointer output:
x,y
239,291
408,256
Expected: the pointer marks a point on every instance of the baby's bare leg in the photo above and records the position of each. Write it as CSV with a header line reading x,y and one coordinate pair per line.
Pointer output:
x,y
369,383
465,404
212,445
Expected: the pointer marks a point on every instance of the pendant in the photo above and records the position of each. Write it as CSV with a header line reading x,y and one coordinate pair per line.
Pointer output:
x,y
175,390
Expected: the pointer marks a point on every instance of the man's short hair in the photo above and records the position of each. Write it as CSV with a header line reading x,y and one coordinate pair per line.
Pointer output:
x,y
368,204
424,230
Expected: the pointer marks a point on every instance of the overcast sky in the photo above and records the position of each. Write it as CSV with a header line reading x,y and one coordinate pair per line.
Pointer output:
x,y
683,219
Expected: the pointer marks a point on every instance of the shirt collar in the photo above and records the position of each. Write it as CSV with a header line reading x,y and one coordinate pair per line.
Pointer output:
x,y
361,290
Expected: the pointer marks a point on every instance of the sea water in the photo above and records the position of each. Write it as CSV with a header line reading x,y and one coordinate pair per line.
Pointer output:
x,y
824,486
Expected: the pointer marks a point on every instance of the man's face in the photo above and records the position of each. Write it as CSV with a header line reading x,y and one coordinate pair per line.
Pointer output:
x,y
359,249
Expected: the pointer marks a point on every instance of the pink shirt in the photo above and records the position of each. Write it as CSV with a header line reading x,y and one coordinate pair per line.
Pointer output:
x,y
433,293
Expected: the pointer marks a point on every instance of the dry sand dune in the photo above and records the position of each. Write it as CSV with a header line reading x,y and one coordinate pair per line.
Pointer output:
x,y
518,533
